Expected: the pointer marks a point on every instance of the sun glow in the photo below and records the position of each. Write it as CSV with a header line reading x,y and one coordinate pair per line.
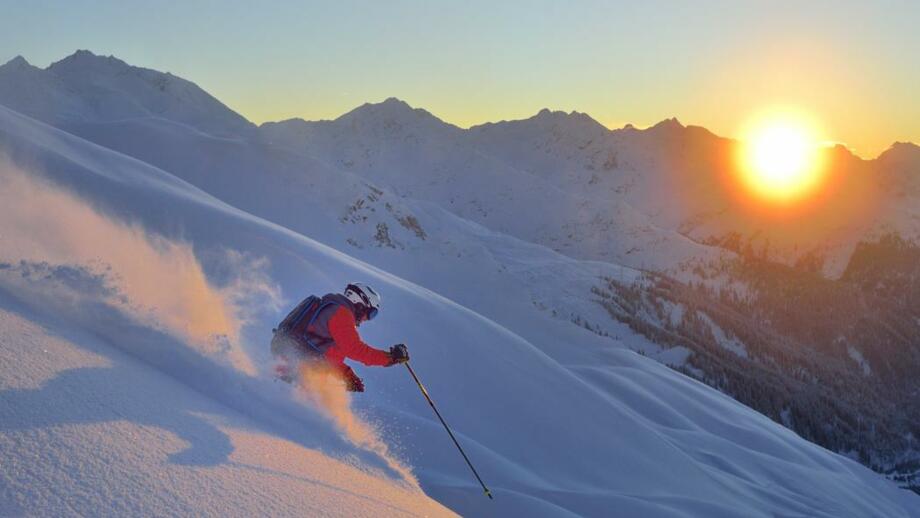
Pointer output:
x,y
780,157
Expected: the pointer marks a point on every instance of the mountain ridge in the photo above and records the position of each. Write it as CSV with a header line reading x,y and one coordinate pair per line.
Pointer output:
x,y
88,88
84,55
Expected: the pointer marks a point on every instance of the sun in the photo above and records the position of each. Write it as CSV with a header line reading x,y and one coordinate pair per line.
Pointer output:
x,y
780,156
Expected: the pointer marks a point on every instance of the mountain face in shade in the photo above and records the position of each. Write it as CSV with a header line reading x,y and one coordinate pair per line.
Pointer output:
x,y
86,88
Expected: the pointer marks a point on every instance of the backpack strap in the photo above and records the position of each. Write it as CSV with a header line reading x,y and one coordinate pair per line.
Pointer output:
x,y
316,313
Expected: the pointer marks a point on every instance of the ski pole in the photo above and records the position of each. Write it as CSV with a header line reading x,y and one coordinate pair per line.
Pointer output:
x,y
430,402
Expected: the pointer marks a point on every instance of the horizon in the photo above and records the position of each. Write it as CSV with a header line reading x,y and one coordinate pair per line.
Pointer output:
x,y
410,105
848,65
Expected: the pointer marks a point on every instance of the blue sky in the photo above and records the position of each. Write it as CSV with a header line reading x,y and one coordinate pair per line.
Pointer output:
x,y
852,65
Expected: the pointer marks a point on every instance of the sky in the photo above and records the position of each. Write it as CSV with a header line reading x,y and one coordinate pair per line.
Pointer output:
x,y
852,67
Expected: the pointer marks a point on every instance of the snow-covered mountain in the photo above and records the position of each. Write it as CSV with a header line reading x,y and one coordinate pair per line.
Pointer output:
x,y
651,198
612,433
665,200
420,157
542,228
86,88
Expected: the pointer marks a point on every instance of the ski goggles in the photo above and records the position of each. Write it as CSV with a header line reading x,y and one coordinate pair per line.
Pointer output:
x,y
371,313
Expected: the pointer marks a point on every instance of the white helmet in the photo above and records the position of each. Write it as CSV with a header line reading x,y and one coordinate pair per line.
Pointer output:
x,y
364,296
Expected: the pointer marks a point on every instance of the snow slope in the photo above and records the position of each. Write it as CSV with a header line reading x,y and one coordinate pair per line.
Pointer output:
x,y
421,241
606,432
90,430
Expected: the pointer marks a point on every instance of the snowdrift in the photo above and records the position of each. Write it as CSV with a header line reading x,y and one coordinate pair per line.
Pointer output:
x,y
111,402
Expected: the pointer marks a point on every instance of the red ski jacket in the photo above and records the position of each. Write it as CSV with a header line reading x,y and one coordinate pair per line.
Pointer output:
x,y
348,344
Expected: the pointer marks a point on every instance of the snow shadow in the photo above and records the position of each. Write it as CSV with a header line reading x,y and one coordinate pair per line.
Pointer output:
x,y
103,394
63,401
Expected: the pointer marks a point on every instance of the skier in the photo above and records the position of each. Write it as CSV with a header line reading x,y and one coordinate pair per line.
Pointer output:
x,y
324,331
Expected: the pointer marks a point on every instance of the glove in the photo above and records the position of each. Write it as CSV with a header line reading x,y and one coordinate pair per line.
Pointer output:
x,y
399,353
352,382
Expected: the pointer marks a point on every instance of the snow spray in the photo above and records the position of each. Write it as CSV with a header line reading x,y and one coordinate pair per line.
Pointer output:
x,y
322,388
